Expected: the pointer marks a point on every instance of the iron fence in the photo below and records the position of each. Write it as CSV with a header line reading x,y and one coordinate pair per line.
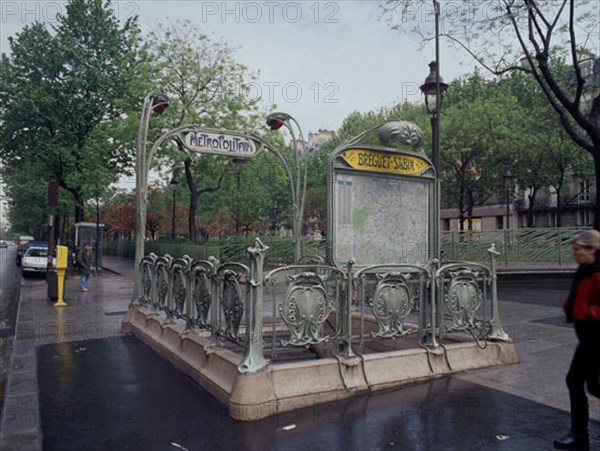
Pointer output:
x,y
531,247
317,307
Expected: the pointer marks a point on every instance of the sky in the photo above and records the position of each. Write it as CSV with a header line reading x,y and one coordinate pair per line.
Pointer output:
x,y
317,60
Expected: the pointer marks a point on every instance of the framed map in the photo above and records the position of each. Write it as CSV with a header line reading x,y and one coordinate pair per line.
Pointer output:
x,y
380,218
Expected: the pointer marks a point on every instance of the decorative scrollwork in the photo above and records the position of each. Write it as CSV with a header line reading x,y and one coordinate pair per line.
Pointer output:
x,y
463,297
147,283
305,309
232,303
201,297
391,303
179,290
163,287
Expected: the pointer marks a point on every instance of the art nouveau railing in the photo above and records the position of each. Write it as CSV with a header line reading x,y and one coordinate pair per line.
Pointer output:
x,y
322,308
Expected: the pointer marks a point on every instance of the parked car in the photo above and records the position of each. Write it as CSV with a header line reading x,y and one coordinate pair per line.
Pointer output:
x,y
35,258
21,246
3,245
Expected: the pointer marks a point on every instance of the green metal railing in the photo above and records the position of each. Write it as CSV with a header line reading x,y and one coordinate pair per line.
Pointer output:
x,y
548,247
535,247
281,250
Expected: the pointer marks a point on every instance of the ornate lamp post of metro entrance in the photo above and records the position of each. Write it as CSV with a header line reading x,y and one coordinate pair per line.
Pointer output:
x,y
275,121
174,182
157,103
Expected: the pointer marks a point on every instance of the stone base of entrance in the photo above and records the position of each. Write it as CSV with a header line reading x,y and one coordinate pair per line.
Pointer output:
x,y
283,387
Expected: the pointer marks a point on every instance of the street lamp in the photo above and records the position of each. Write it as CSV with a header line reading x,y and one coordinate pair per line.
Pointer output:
x,y
509,180
434,88
174,183
275,121
153,102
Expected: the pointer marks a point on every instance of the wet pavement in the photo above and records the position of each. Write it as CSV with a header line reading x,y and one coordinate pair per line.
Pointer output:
x,y
77,383
10,285
146,404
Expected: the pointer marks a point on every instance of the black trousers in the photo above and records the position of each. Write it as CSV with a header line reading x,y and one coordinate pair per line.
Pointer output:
x,y
584,370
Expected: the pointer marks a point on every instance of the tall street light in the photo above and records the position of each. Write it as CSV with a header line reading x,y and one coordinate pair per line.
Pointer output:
x,y
433,88
275,121
174,183
157,103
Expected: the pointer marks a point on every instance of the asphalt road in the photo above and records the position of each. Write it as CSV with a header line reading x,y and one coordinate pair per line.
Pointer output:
x,y
10,285
547,289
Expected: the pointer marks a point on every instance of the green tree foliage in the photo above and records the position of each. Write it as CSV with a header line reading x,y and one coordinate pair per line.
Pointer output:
x,y
548,157
206,86
60,91
479,139
532,37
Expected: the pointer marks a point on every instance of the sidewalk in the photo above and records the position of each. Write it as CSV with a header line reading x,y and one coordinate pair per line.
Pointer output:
x,y
75,377
92,315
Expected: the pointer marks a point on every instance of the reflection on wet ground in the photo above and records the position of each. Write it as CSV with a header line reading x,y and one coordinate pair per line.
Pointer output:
x,y
118,394
10,283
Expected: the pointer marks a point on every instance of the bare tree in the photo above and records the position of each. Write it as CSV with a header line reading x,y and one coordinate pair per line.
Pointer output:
x,y
554,41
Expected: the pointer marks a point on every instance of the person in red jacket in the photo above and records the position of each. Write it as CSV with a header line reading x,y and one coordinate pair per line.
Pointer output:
x,y
582,308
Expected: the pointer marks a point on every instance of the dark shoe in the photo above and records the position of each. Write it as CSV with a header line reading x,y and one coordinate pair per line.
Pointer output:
x,y
573,440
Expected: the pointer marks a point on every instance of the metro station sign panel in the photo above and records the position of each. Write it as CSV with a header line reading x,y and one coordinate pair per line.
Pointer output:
x,y
386,162
220,144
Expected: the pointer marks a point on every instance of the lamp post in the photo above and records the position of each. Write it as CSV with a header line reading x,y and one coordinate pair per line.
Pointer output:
x,y
174,183
275,121
153,102
509,180
433,88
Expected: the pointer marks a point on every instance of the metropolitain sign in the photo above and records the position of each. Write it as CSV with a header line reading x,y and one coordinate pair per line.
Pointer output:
x,y
225,144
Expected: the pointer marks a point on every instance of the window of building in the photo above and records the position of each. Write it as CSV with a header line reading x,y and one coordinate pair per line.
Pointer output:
x,y
499,222
552,220
584,219
584,192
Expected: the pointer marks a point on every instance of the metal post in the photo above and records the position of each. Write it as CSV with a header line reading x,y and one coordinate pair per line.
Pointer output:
x,y
174,183
496,331
507,209
173,224
345,316
141,185
299,188
298,184
254,359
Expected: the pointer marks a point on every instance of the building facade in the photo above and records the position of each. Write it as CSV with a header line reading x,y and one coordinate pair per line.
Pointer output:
x,y
574,208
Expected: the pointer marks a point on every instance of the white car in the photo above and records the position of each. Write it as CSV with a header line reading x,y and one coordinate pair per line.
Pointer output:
x,y
35,260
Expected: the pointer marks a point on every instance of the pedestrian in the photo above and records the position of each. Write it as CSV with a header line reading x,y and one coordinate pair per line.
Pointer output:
x,y
582,308
84,258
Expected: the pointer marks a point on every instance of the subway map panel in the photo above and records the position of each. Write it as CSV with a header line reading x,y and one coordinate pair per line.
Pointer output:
x,y
379,220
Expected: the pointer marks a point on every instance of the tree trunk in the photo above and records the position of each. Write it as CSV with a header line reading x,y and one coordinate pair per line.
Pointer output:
x,y
470,208
79,210
193,200
531,198
461,209
558,209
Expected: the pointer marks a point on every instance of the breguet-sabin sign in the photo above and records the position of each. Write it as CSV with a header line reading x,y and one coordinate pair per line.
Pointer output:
x,y
220,144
